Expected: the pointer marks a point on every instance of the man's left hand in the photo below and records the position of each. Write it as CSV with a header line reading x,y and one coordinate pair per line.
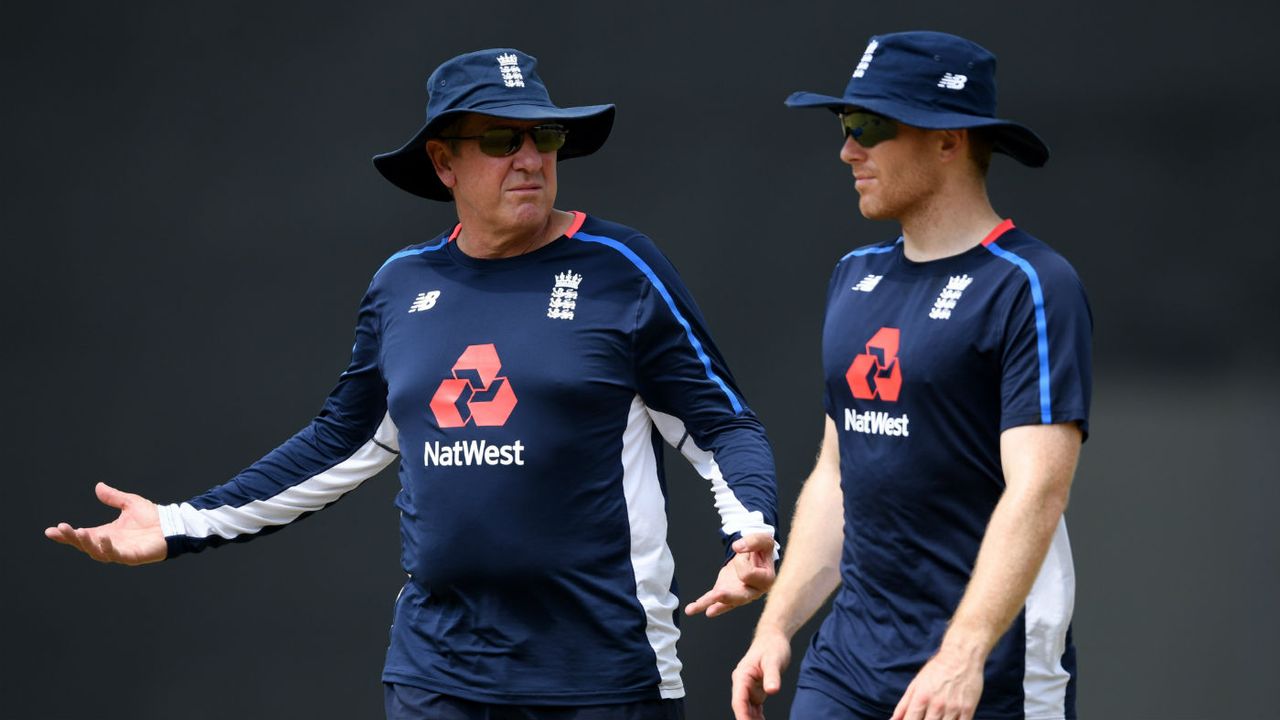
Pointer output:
x,y
747,576
948,687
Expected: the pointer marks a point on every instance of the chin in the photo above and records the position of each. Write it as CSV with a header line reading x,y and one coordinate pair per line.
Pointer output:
x,y
872,210
530,214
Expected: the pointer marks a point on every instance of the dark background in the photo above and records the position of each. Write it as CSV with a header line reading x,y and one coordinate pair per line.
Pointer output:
x,y
190,218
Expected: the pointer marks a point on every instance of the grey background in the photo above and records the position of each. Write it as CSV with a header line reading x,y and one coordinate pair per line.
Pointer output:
x,y
190,217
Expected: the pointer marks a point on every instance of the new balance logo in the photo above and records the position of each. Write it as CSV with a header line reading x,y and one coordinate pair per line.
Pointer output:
x,y
424,301
949,296
866,59
953,82
868,283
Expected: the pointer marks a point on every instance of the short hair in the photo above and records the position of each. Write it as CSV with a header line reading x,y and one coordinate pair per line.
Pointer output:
x,y
981,145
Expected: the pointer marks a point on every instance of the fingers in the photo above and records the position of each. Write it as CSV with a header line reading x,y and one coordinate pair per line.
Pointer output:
x,y
111,496
703,603
755,542
718,602
772,674
753,563
721,608
62,533
758,578
748,696
90,545
108,549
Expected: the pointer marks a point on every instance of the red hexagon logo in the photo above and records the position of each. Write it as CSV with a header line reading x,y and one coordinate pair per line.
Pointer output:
x,y
876,373
475,393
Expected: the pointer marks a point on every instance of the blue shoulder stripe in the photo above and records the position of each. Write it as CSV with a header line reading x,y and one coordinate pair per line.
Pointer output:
x,y
873,250
412,252
635,259
1042,331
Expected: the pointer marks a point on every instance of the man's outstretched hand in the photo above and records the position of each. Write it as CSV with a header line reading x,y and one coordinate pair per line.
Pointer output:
x,y
133,538
744,578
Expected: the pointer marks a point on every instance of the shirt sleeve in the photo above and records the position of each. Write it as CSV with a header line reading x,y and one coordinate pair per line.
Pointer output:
x,y
829,402
695,403
349,441
1047,356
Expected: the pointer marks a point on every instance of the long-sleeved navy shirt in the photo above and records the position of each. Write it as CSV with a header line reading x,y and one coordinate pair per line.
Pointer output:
x,y
527,398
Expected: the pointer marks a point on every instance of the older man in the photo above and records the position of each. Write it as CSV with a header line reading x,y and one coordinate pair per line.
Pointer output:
x,y
523,366
957,360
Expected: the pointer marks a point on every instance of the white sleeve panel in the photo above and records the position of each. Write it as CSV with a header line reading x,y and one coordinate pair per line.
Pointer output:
x,y
310,495
734,516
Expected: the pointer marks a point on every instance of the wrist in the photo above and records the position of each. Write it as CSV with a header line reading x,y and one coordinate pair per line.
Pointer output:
x,y
966,644
773,627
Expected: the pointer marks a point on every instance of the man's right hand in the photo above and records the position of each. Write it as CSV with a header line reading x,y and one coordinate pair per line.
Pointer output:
x,y
133,538
759,673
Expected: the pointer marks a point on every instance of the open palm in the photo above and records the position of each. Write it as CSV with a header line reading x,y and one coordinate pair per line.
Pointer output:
x,y
133,538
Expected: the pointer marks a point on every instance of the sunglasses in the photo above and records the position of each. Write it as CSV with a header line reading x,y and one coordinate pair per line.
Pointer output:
x,y
501,142
867,129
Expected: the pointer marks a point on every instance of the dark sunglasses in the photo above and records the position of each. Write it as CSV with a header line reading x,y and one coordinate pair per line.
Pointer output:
x,y
867,129
501,142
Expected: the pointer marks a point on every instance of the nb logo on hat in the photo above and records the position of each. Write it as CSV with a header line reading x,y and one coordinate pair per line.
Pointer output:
x,y
866,59
953,82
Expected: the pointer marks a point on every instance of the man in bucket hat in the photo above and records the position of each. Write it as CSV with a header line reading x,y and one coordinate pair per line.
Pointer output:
x,y
523,365
957,362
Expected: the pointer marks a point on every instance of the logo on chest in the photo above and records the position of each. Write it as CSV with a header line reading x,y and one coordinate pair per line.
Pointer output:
x,y
868,283
564,296
425,301
949,296
876,374
475,393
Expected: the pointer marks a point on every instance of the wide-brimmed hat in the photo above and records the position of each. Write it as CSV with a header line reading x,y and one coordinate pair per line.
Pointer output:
x,y
501,82
935,81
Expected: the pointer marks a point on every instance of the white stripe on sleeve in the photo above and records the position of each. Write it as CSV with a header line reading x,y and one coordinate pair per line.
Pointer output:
x,y
307,496
734,516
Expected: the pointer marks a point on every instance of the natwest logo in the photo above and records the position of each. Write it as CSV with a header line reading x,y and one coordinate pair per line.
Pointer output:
x,y
475,393
877,373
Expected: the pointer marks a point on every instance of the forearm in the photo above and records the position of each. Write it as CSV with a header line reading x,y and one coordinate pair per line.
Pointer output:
x,y
298,478
1012,552
1022,526
811,569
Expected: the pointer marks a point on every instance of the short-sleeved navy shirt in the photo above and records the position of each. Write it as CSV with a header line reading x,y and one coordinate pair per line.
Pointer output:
x,y
926,364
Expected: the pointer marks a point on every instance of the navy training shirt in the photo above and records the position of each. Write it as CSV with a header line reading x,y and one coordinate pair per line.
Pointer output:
x,y
527,398
926,364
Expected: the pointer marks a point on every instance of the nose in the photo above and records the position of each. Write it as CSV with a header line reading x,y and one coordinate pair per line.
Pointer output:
x,y
527,157
852,152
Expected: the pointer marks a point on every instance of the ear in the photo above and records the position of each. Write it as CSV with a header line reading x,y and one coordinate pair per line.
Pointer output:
x,y
442,161
952,144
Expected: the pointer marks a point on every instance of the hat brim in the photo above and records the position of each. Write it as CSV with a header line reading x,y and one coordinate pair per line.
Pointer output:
x,y
1010,138
410,169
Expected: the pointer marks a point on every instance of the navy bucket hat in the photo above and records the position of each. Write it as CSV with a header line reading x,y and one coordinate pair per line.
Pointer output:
x,y
935,81
501,82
